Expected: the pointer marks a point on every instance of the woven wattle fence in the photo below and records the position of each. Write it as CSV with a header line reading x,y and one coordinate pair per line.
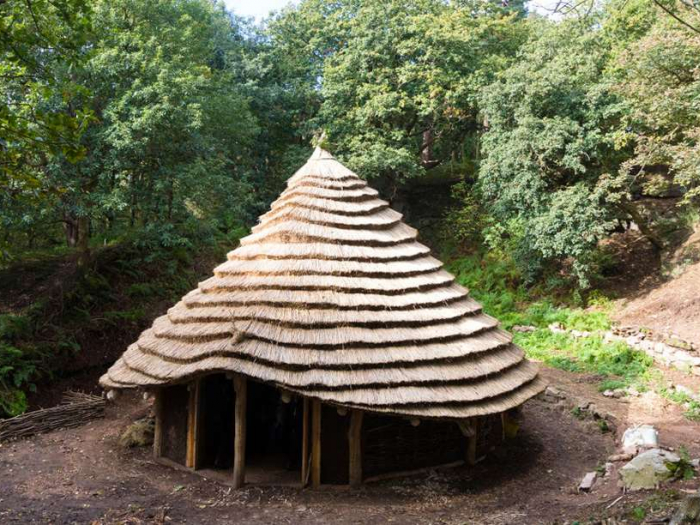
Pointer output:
x,y
76,409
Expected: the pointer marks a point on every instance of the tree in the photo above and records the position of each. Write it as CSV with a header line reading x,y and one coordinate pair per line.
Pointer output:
x,y
658,76
173,127
550,158
42,45
400,95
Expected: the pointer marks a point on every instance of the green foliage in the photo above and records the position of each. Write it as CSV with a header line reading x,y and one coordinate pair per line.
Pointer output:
x,y
690,404
401,101
548,149
17,367
639,513
497,285
465,223
663,129
171,142
684,468
577,412
124,117
41,42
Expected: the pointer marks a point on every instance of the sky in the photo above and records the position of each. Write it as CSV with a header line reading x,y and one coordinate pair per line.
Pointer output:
x,y
258,9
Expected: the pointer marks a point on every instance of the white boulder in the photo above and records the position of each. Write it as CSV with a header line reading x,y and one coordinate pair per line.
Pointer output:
x,y
639,437
648,469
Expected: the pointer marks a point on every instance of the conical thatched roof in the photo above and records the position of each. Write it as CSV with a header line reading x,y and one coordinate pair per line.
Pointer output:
x,y
332,297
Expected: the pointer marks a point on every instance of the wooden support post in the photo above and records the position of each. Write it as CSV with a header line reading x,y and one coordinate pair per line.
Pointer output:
x,y
305,444
472,441
158,431
240,386
316,443
355,442
198,430
192,423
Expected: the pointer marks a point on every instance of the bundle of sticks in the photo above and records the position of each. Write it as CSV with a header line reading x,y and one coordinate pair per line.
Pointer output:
x,y
76,409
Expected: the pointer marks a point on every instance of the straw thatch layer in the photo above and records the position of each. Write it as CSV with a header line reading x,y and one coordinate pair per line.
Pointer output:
x,y
334,252
328,267
353,357
325,317
331,296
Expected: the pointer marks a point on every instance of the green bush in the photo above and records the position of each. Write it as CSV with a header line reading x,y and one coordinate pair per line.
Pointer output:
x,y
17,366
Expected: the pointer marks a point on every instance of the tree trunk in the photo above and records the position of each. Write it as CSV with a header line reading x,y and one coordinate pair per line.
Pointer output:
x,y
426,154
83,241
70,227
643,225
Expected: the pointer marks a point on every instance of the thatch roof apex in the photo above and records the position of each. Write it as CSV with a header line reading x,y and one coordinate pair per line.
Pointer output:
x,y
332,297
321,154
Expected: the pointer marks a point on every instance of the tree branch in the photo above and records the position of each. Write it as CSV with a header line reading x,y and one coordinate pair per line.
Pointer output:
x,y
676,17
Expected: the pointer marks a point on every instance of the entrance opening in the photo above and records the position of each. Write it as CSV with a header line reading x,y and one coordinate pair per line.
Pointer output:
x,y
216,408
273,436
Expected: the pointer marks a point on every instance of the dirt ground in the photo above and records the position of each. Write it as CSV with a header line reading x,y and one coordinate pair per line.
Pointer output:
x,y
671,308
83,476
668,306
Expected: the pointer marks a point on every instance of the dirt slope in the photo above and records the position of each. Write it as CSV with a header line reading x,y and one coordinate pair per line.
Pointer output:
x,y
672,307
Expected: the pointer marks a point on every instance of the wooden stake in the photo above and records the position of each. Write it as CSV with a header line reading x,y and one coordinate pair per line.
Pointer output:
x,y
355,443
305,444
158,432
316,443
192,424
198,430
240,386
471,442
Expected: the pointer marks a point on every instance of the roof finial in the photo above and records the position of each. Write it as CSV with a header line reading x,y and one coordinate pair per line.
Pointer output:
x,y
320,141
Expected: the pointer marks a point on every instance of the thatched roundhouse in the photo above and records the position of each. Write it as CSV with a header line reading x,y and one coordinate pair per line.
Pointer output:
x,y
330,344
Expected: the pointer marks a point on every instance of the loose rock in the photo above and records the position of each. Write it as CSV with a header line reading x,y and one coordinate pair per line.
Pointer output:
x,y
554,393
587,482
620,457
643,436
523,329
648,469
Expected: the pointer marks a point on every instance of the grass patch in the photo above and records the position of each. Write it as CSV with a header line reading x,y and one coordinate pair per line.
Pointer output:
x,y
690,405
496,285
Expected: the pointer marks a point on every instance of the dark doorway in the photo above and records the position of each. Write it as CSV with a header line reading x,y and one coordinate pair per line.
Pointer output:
x,y
216,409
273,436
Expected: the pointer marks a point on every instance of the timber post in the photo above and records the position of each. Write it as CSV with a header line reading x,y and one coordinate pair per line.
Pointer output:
x,y
472,441
158,431
355,443
316,443
240,386
192,423
305,444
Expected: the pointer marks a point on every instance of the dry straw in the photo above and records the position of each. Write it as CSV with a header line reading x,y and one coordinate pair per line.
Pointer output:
x,y
332,297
